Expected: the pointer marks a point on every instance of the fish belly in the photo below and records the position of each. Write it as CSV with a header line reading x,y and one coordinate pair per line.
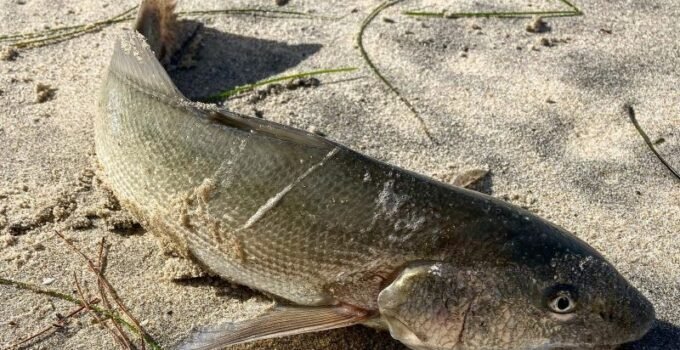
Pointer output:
x,y
253,209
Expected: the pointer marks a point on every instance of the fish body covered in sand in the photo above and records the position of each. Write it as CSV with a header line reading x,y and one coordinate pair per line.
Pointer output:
x,y
342,239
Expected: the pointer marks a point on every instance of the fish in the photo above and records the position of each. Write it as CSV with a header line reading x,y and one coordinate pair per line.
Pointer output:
x,y
339,238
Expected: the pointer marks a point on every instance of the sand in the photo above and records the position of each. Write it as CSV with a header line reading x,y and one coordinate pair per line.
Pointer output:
x,y
542,112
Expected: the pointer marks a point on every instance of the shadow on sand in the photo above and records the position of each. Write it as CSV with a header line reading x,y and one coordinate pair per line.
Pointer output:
x,y
663,336
229,60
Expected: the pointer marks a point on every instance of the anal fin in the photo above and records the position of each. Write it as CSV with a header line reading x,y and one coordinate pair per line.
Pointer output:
x,y
278,322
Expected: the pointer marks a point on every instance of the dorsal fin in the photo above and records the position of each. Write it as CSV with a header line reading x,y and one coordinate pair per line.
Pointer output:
x,y
157,21
134,62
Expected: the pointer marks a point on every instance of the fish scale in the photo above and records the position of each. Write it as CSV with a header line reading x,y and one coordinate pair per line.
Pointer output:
x,y
343,238
164,150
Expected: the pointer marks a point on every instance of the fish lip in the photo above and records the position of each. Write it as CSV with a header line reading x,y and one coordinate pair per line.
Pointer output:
x,y
651,318
642,330
583,346
573,346
397,326
647,315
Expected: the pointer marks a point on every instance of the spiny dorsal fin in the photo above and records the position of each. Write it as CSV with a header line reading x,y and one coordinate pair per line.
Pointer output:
x,y
134,62
279,322
157,22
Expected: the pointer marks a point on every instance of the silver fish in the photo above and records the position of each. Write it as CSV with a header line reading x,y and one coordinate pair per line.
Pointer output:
x,y
342,239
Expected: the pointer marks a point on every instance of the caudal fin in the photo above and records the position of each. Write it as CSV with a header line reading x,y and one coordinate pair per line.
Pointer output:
x,y
135,63
157,22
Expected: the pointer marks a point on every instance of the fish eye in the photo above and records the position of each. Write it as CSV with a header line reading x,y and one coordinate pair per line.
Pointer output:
x,y
562,304
561,299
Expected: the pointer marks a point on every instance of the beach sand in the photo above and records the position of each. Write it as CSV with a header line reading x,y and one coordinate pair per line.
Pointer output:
x,y
543,112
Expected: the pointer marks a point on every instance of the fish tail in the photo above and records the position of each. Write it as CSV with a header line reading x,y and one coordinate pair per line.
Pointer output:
x,y
135,63
157,22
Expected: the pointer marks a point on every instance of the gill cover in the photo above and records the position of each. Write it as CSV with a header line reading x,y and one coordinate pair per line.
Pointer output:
x,y
420,301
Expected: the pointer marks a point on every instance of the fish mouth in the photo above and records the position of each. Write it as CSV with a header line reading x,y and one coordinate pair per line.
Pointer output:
x,y
582,346
644,327
649,322
570,346
643,317
400,331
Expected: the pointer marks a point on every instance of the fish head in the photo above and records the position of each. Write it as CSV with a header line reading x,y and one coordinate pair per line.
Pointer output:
x,y
574,303
588,304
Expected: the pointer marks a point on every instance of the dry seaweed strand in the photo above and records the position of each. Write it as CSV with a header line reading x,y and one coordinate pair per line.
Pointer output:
x,y
374,68
55,35
109,288
650,144
575,11
55,294
120,340
121,337
52,36
221,96
573,7
254,11
101,288
115,19
52,327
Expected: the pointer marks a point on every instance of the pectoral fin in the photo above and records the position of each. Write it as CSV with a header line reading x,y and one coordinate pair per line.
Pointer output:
x,y
279,322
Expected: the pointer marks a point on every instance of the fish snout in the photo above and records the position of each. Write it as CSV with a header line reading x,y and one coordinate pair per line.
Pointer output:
x,y
633,314
644,315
